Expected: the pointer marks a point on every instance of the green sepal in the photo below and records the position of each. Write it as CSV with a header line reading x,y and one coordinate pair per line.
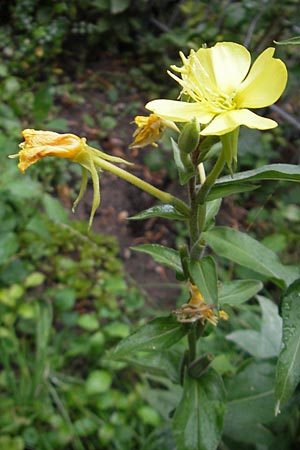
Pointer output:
x,y
189,137
230,147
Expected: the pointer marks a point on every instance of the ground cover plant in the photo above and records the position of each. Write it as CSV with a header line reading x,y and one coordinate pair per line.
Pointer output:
x,y
65,300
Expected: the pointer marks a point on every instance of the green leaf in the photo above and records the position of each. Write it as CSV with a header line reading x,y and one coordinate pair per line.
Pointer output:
x,y
157,335
165,211
8,246
250,403
98,381
42,103
198,420
288,365
163,255
212,209
118,6
220,191
246,251
54,209
266,342
238,291
204,274
288,172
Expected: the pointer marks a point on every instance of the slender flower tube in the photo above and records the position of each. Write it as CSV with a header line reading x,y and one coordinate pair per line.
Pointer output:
x,y
150,130
221,87
39,144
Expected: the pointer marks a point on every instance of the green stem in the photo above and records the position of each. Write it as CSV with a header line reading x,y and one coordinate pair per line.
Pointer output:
x,y
211,178
130,178
192,340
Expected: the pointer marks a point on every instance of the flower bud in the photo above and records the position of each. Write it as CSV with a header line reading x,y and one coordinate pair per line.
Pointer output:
x,y
189,137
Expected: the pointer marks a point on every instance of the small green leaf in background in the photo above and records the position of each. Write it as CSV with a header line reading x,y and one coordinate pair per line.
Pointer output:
x,y
288,365
204,274
8,246
248,252
98,381
159,334
236,292
266,343
88,322
118,6
198,420
54,209
166,211
42,104
163,255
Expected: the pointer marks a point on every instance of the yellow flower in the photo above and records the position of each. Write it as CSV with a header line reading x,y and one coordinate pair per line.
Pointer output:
x,y
39,144
221,86
150,129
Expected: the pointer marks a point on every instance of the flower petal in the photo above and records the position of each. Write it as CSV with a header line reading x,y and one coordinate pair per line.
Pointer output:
x,y
264,84
231,63
226,122
180,111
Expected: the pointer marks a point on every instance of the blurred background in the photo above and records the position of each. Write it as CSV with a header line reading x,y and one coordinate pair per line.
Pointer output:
x,y
67,295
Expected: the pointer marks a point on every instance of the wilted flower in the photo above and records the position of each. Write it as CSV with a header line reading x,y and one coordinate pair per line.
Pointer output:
x,y
150,130
220,86
39,144
197,309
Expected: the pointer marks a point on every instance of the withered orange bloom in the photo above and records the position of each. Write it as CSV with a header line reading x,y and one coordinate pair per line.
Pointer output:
x,y
197,309
150,130
38,144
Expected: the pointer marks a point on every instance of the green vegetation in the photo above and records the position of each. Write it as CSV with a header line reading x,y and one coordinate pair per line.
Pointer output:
x,y
65,301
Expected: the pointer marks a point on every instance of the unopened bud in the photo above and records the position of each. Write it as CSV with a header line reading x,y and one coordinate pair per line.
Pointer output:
x,y
189,137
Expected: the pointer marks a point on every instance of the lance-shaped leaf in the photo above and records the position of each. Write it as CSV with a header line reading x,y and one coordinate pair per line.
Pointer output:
x,y
204,274
248,252
288,366
250,404
242,181
157,335
198,420
289,172
165,211
236,292
163,255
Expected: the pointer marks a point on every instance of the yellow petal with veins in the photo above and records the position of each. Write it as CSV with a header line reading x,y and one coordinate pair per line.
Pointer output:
x,y
264,84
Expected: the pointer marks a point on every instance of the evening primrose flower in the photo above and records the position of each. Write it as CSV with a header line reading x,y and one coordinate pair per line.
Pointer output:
x,y
198,310
38,144
150,130
220,87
